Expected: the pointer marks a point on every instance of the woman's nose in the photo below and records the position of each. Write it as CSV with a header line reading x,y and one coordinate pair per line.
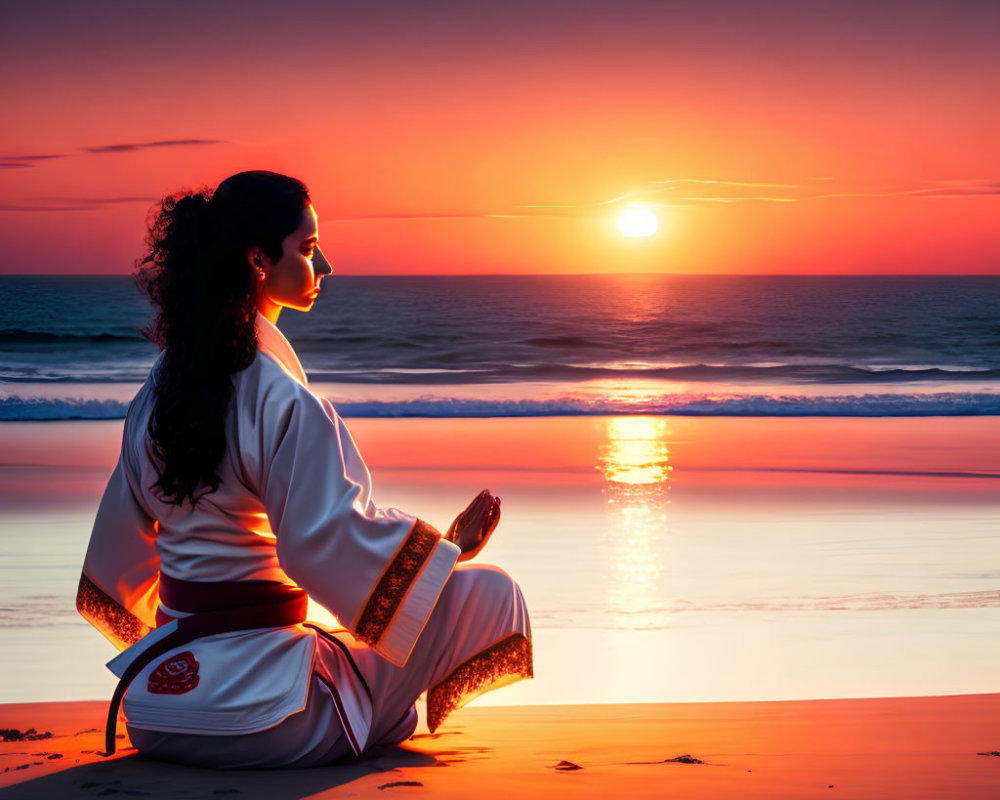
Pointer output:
x,y
320,265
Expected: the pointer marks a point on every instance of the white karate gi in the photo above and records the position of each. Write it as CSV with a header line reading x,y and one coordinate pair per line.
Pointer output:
x,y
294,506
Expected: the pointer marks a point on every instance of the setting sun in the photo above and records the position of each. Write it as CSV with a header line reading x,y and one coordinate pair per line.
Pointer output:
x,y
636,222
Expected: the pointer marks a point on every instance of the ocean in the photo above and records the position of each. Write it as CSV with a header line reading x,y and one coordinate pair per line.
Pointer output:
x,y
485,346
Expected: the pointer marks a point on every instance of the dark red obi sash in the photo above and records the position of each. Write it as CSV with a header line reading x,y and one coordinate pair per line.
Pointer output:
x,y
195,597
221,607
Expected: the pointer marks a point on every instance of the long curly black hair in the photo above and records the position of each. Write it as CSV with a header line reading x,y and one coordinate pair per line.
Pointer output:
x,y
205,293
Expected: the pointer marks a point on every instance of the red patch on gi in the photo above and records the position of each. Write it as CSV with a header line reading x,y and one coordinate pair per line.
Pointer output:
x,y
177,675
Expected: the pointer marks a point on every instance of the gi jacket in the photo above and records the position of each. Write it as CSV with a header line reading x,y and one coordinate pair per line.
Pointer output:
x,y
294,506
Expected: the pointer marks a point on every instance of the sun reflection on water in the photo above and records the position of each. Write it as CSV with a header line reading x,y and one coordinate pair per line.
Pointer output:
x,y
635,462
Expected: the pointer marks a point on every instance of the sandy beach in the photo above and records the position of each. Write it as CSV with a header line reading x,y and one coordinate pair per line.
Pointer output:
x,y
906,748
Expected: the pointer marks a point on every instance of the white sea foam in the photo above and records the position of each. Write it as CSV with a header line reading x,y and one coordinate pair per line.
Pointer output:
x,y
574,402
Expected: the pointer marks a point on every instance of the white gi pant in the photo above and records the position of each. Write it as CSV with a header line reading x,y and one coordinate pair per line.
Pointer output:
x,y
479,606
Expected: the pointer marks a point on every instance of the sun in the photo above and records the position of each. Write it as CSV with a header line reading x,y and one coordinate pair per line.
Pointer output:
x,y
636,222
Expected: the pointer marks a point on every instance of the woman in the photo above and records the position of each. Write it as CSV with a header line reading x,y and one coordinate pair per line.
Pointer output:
x,y
238,492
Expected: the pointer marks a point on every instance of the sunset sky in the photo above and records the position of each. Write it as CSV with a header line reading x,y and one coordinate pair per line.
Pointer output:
x,y
466,137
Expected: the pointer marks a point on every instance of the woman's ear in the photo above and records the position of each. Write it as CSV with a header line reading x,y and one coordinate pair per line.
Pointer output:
x,y
256,260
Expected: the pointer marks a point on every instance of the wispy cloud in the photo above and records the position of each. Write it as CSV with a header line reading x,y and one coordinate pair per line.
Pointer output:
x,y
658,194
680,192
743,199
405,215
721,191
959,188
73,203
667,193
20,162
25,161
963,187
131,148
714,182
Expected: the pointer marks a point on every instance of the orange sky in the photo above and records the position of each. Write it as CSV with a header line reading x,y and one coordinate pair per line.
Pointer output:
x,y
771,137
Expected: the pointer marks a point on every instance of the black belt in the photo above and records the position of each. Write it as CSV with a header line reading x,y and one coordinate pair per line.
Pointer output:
x,y
284,606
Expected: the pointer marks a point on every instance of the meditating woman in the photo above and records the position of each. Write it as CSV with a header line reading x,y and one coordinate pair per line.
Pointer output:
x,y
239,493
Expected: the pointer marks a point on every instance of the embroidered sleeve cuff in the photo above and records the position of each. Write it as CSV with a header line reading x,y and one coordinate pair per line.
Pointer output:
x,y
404,597
119,625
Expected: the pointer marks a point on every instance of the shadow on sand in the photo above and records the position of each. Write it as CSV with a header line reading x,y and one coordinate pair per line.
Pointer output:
x,y
132,776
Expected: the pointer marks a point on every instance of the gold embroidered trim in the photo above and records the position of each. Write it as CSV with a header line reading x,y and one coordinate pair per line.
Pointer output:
x,y
505,662
391,589
117,623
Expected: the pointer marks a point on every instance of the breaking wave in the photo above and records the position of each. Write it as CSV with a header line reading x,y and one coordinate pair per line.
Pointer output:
x,y
680,404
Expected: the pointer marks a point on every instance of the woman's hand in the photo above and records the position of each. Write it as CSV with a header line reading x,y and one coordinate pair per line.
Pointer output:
x,y
472,528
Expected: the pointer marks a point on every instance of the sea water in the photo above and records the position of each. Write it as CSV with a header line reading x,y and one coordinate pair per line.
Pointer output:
x,y
443,346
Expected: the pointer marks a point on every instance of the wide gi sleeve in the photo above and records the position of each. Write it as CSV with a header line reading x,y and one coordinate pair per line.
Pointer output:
x,y
380,571
119,587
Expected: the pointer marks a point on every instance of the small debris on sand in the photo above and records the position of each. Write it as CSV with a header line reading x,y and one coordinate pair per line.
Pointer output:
x,y
567,766
990,753
684,759
30,735
399,783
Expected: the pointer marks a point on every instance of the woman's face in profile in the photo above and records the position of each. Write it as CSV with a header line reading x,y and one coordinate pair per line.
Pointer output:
x,y
293,281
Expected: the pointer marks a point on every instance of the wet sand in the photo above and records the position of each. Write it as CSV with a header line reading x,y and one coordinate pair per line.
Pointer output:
x,y
823,557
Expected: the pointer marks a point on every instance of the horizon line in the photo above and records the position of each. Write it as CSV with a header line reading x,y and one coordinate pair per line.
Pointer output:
x,y
568,274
